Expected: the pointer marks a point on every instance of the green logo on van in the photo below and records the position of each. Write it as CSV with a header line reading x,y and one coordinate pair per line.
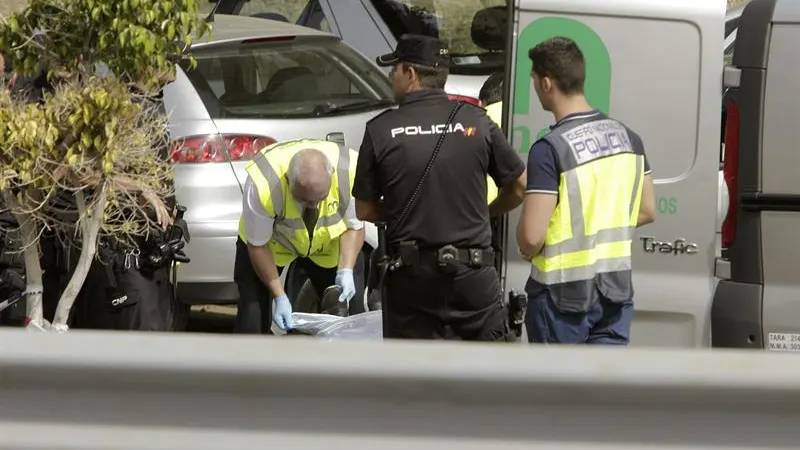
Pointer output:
x,y
598,68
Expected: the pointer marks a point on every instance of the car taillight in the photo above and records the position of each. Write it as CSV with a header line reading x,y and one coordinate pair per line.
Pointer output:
x,y
730,171
464,98
213,148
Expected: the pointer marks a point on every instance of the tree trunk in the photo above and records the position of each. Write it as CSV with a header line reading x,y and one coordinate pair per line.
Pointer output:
x,y
34,309
90,221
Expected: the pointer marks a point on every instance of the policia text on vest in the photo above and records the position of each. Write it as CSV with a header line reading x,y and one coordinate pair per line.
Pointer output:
x,y
287,218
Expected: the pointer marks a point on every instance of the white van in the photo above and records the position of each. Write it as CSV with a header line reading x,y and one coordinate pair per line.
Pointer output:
x,y
656,66
756,303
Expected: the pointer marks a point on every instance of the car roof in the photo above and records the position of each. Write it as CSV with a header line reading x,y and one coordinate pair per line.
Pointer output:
x,y
229,28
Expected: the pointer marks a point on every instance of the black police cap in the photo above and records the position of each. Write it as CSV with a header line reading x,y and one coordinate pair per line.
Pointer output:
x,y
418,49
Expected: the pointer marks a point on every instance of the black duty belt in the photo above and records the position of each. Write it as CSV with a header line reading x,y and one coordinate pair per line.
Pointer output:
x,y
408,254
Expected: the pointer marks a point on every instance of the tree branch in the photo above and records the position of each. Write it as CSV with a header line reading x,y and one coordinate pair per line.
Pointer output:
x,y
163,216
90,221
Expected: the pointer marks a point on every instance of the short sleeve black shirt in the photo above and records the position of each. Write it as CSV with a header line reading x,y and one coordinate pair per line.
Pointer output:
x,y
452,207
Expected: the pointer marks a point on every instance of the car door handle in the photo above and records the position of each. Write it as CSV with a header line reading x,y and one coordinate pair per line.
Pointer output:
x,y
337,137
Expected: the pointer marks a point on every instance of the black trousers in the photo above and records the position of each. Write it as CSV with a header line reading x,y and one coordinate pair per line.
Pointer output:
x,y
254,309
424,300
133,300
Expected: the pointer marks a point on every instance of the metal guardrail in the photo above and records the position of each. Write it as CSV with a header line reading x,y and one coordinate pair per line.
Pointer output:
x,y
110,391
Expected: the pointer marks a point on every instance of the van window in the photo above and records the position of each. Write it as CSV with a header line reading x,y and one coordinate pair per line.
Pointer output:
x,y
452,22
287,79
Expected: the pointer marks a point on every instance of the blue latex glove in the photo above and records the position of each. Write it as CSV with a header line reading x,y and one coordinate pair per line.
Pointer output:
x,y
344,279
282,314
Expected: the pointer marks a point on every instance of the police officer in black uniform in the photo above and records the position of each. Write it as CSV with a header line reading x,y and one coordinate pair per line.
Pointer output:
x,y
422,171
126,288
132,288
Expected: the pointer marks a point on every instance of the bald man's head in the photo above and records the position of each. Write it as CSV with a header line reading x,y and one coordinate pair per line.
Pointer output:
x,y
309,176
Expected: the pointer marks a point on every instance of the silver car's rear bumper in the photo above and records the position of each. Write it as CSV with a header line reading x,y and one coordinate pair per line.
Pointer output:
x,y
208,278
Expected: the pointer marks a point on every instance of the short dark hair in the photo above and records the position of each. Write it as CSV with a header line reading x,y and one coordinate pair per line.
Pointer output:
x,y
429,77
492,89
561,60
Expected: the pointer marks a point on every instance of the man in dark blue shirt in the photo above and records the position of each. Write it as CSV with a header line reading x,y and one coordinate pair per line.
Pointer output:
x,y
589,187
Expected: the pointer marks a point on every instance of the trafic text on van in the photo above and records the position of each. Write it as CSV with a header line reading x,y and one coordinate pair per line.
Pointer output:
x,y
678,247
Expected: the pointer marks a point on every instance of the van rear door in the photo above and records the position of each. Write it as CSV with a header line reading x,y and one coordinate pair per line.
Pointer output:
x,y
656,67
759,305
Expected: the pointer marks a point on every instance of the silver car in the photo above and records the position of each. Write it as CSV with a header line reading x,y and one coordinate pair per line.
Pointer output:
x,y
256,82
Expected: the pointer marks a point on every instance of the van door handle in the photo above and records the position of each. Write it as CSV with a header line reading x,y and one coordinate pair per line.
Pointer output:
x,y
337,137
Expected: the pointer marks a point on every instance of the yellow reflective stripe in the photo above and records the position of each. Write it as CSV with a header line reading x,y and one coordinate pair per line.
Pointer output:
x,y
579,243
582,273
274,182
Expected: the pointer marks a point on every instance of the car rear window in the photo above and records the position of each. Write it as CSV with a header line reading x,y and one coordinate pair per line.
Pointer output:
x,y
286,78
473,29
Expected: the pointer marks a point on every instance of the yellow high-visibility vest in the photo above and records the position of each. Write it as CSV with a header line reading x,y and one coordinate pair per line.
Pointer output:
x,y
495,112
600,192
290,238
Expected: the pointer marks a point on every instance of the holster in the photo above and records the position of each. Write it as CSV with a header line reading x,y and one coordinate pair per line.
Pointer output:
x,y
158,252
377,282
